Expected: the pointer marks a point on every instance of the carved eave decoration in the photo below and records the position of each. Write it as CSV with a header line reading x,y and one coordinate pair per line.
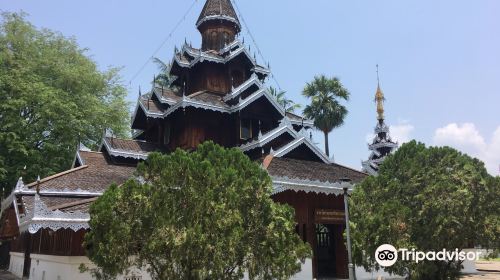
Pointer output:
x,y
253,80
225,56
123,153
42,217
264,139
379,145
282,184
220,18
301,139
187,101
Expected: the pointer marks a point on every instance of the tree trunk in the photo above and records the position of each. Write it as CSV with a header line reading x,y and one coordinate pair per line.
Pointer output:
x,y
327,148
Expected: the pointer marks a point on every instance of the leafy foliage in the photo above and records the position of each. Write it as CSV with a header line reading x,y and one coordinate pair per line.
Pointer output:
x,y
201,215
52,97
163,79
325,107
286,103
428,199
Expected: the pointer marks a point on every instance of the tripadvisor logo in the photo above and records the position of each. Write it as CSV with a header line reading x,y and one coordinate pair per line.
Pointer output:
x,y
387,255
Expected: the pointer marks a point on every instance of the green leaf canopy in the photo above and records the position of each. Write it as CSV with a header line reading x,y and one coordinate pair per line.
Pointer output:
x,y
428,199
201,215
52,97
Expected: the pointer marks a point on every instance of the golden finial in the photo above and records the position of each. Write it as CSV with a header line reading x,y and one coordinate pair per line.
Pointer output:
x,y
379,99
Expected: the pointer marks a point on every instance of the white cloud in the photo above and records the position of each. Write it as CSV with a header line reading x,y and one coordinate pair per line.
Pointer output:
x,y
402,132
466,138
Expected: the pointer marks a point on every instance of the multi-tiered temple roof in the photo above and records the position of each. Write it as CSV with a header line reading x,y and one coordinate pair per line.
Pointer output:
x,y
382,144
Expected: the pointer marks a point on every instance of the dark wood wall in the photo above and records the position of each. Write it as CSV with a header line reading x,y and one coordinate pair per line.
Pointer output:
x,y
215,36
8,224
63,242
192,127
305,205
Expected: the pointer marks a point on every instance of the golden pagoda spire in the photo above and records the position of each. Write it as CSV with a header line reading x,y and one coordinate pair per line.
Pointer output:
x,y
379,99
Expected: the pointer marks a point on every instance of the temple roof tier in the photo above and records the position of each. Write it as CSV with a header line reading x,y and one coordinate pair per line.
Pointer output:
x,y
218,10
188,57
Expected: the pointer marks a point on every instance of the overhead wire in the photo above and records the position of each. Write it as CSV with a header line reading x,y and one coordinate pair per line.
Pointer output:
x,y
164,41
240,15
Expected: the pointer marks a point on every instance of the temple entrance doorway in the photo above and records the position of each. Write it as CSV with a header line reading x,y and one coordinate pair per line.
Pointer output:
x,y
326,251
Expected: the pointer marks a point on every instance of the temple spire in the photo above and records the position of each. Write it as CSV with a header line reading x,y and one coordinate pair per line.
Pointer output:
x,y
218,24
379,99
382,144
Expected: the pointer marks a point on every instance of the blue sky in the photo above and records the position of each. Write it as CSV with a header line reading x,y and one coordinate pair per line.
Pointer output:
x,y
439,60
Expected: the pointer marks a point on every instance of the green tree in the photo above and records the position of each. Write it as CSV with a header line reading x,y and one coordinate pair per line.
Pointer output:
x,y
163,79
286,103
325,107
52,97
428,199
201,215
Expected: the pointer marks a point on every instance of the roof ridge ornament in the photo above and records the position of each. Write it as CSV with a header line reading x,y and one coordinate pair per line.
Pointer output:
x,y
285,121
20,184
38,185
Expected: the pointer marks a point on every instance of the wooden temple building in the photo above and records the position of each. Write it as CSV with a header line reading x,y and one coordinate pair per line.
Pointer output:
x,y
218,94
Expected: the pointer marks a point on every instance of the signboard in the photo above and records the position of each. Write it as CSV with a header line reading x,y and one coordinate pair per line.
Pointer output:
x,y
329,216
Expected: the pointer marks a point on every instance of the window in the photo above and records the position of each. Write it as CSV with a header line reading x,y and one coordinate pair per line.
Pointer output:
x,y
245,129
322,236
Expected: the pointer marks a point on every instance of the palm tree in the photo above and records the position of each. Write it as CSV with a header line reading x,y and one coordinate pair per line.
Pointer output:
x,y
325,108
163,79
280,96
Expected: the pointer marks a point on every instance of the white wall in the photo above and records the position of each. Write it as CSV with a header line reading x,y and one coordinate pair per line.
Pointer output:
x,y
16,264
306,273
362,274
46,267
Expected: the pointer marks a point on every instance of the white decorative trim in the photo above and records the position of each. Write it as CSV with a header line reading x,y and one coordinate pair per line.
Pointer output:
x,y
7,202
382,145
42,217
200,56
230,46
125,154
299,141
381,128
281,184
162,99
219,17
79,158
58,192
304,122
242,104
367,166
253,80
268,137
262,70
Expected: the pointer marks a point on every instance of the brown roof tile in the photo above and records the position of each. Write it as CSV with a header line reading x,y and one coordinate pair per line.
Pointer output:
x,y
151,105
168,93
314,171
218,8
132,145
209,98
96,175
